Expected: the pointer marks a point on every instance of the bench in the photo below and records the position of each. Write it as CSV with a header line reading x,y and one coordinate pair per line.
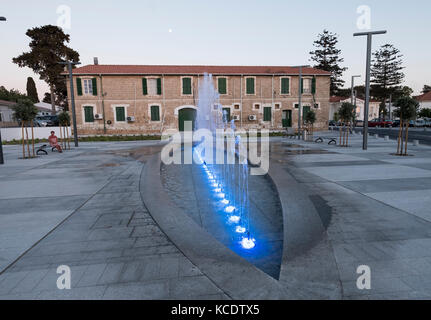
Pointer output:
x,y
331,140
42,149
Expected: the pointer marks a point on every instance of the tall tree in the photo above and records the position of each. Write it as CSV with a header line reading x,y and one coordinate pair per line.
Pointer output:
x,y
31,90
386,72
47,48
327,58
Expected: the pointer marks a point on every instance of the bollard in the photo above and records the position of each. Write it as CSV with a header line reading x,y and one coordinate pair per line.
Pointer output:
x,y
416,143
386,138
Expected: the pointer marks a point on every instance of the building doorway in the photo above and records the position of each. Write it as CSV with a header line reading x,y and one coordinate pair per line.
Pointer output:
x,y
287,119
186,114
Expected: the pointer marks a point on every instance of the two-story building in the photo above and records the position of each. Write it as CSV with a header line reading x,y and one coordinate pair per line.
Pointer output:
x,y
149,99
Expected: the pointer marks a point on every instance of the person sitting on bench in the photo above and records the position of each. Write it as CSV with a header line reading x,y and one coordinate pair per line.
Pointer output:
x,y
53,141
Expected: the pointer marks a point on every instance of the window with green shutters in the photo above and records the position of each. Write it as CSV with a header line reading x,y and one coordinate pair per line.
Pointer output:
x,y
187,86
285,86
250,82
120,114
155,113
79,86
94,82
267,114
222,85
88,114
313,85
159,86
144,86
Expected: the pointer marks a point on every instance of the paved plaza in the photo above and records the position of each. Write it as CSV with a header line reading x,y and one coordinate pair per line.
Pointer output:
x,y
89,209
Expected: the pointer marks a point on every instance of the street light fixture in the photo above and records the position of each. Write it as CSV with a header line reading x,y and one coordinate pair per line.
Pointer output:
x,y
72,97
300,98
367,81
1,145
353,88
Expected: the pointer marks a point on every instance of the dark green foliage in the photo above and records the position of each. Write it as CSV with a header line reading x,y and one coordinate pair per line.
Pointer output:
x,y
64,118
31,90
310,117
425,113
407,108
11,95
25,110
327,57
346,112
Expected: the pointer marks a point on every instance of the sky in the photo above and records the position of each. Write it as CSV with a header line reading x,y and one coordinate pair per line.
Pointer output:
x,y
222,32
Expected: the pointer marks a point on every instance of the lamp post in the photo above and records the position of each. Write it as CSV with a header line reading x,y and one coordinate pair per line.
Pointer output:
x,y
367,82
300,98
353,89
1,145
72,98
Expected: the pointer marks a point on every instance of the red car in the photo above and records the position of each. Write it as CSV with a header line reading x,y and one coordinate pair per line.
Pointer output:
x,y
380,123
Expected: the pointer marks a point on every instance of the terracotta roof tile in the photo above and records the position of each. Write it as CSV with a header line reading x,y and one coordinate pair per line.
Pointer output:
x,y
424,97
172,69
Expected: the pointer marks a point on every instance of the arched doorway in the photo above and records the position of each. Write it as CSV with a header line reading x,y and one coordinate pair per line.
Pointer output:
x,y
186,114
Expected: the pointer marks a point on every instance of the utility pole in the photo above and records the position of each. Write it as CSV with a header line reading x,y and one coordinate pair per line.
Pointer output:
x,y
72,98
1,145
300,98
353,96
367,82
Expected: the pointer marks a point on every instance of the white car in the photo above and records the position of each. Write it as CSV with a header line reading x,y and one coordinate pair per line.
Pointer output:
x,y
419,123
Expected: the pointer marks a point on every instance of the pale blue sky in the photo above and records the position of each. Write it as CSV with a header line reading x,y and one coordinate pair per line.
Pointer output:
x,y
233,32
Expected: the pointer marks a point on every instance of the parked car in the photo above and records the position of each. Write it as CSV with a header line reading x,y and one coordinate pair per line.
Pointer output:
x,y
332,123
52,121
380,123
396,123
419,123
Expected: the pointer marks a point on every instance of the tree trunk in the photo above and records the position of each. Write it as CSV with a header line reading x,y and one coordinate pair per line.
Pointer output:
x,y
340,135
28,143
402,140
399,136
32,138
61,135
347,136
68,138
53,111
407,139
23,140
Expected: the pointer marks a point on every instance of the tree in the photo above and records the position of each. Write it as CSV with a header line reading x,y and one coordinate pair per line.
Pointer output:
x,y
346,114
426,89
425,113
64,120
407,109
11,95
47,48
31,90
310,119
25,112
327,58
386,72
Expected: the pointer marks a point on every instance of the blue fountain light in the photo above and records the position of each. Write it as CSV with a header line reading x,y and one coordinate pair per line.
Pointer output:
x,y
248,243
225,201
230,209
234,219
240,229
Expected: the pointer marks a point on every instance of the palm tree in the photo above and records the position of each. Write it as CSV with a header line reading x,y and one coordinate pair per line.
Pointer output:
x,y
346,114
25,112
407,109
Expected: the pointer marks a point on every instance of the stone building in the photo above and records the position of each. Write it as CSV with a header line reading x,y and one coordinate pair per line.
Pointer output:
x,y
145,99
336,102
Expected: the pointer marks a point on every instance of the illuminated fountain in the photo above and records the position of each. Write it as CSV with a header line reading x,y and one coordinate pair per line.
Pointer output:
x,y
229,181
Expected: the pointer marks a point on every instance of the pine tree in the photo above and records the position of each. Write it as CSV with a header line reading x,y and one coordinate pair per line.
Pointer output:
x,y
327,58
31,90
386,73
426,89
48,47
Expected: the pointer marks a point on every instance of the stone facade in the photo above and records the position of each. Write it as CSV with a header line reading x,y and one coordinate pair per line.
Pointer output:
x,y
112,88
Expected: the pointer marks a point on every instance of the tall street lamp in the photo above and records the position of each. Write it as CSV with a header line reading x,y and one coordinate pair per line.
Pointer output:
x,y
367,82
353,89
70,64
1,145
300,98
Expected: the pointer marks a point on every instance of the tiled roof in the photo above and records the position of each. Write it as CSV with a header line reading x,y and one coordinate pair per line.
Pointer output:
x,y
7,103
339,99
167,69
424,97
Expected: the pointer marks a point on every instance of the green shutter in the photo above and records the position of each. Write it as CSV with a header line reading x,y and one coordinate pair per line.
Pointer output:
x,y
88,114
79,86
94,80
187,86
250,86
222,85
313,85
285,84
267,114
120,113
159,86
144,86
155,114
305,110
302,85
